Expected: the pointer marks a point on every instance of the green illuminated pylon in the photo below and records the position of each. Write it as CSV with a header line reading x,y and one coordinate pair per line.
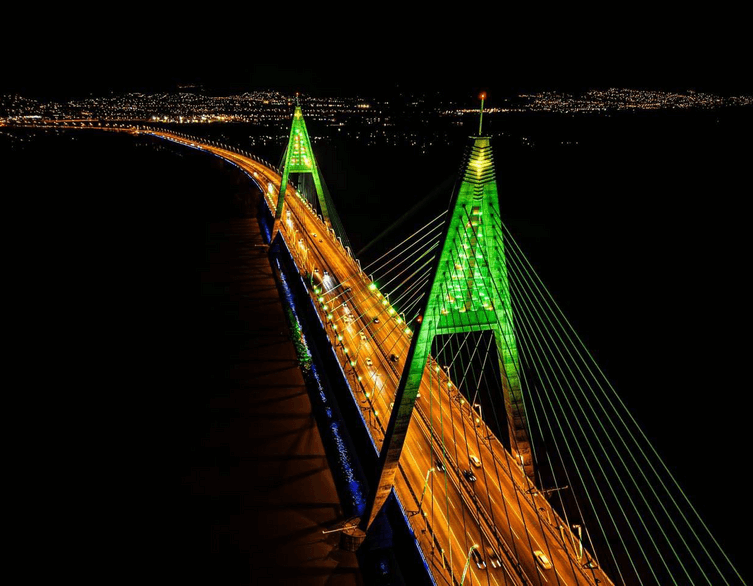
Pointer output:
x,y
469,292
299,158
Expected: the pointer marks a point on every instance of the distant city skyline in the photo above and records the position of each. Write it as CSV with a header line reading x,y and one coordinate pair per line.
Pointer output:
x,y
42,84
191,103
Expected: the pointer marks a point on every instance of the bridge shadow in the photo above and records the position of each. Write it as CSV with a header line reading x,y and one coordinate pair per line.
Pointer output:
x,y
256,488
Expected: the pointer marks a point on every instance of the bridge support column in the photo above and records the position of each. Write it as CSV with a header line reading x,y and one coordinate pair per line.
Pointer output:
x,y
469,292
299,158
352,538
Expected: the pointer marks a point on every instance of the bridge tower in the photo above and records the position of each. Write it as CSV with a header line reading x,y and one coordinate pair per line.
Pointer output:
x,y
469,292
299,158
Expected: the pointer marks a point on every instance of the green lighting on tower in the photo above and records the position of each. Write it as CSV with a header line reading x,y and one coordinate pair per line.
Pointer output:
x,y
469,292
299,158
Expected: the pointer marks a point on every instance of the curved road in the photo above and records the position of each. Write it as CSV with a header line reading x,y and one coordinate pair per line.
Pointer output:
x,y
501,512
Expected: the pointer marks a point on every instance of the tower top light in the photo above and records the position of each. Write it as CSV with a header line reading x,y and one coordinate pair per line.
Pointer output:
x,y
481,115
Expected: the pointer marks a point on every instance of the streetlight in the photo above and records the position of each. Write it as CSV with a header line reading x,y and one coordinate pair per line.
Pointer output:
x,y
480,416
548,515
423,492
468,563
580,541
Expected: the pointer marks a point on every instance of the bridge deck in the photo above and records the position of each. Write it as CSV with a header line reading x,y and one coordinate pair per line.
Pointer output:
x,y
455,513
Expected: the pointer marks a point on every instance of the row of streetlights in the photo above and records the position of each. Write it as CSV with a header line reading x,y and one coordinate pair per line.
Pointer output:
x,y
475,408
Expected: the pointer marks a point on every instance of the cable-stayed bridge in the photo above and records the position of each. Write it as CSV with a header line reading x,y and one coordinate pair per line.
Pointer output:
x,y
514,459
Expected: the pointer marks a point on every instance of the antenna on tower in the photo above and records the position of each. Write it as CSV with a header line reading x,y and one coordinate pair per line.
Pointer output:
x,y
481,116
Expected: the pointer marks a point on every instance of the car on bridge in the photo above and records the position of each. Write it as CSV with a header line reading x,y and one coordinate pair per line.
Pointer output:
x,y
475,461
469,476
478,559
493,558
369,361
542,559
393,357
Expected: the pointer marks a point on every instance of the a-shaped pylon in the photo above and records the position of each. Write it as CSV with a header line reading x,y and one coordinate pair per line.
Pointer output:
x,y
469,292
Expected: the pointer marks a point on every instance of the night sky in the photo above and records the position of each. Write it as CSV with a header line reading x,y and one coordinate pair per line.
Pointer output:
x,y
336,51
374,51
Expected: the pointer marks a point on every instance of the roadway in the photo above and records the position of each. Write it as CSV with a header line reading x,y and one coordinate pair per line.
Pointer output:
x,y
500,512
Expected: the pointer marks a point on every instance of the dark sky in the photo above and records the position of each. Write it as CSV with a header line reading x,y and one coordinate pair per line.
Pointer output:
x,y
372,49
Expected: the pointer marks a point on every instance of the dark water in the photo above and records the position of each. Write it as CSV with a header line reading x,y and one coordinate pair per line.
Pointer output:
x,y
637,223
105,236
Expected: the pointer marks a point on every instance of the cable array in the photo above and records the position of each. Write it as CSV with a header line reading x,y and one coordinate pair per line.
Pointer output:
x,y
508,375
602,453
601,472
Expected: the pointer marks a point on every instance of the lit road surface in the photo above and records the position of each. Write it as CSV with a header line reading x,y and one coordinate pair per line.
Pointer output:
x,y
500,507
